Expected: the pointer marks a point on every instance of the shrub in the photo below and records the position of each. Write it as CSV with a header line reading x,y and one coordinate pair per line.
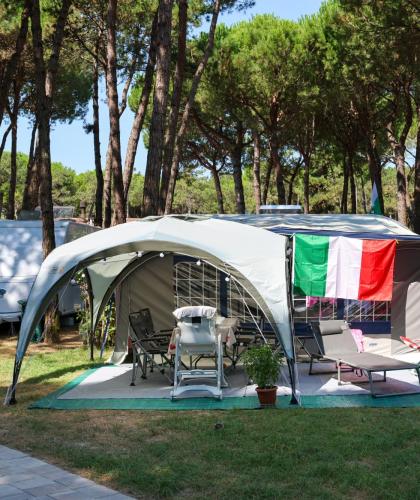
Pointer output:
x,y
262,365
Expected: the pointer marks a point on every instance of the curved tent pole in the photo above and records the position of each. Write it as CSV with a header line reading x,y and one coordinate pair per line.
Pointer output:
x,y
111,301
136,264
292,366
133,266
90,293
129,269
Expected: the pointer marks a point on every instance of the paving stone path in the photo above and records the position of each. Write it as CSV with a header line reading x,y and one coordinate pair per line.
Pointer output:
x,y
23,477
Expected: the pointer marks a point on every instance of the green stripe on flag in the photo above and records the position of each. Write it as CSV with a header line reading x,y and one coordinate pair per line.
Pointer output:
x,y
376,207
310,265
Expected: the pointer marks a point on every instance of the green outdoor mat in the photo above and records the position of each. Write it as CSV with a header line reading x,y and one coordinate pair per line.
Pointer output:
x,y
52,401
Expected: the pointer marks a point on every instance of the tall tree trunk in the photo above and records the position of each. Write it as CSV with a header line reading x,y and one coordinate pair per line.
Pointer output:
x,y
291,184
160,101
114,114
237,170
188,107
4,139
267,180
218,189
306,147
97,147
44,83
12,64
30,192
1,204
108,187
11,209
256,171
175,102
353,194
364,201
307,167
398,150
278,170
345,192
375,168
416,215
141,111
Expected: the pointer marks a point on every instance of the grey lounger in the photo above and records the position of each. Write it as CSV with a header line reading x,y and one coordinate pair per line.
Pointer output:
x,y
334,341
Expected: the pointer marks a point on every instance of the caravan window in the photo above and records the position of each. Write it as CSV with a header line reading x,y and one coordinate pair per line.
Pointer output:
x,y
314,308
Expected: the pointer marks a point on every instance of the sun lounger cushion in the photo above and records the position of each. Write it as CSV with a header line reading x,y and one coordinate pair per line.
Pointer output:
x,y
332,327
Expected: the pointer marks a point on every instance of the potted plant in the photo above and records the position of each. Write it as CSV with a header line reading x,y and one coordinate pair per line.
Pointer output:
x,y
262,366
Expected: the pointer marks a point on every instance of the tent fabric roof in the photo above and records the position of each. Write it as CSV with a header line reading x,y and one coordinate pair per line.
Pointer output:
x,y
367,226
238,247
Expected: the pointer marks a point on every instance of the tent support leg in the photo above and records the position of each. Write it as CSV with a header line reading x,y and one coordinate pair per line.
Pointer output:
x,y
294,400
10,398
91,344
134,371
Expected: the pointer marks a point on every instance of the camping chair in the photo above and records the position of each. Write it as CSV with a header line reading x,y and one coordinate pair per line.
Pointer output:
x,y
246,336
249,335
335,342
147,343
197,336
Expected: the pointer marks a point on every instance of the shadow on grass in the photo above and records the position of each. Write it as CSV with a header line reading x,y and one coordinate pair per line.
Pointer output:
x,y
59,373
47,382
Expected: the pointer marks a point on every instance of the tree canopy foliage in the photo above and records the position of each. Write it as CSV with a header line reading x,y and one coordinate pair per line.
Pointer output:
x,y
264,111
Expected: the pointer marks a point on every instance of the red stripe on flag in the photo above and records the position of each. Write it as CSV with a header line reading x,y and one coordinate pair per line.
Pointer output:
x,y
377,270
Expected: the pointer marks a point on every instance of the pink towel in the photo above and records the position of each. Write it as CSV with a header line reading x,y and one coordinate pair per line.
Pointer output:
x,y
359,339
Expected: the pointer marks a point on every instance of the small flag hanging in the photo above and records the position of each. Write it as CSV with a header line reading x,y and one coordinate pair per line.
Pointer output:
x,y
375,207
343,268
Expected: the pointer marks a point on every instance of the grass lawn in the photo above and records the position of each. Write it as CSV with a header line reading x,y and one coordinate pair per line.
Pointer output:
x,y
332,453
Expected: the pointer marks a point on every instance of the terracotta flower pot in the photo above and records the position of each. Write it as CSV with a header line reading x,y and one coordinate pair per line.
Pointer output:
x,y
267,396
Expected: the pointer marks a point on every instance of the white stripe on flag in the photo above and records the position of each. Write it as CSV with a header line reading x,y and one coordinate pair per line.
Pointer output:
x,y
344,263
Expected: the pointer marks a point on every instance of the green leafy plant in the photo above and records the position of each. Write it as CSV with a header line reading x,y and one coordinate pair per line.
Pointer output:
x,y
83,316
262,365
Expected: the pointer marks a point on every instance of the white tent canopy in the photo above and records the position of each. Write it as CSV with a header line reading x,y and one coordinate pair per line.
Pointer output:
x,y
256,258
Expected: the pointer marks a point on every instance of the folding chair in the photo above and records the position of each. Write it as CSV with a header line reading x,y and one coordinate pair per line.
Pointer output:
x,y
147,343
197,336
246,336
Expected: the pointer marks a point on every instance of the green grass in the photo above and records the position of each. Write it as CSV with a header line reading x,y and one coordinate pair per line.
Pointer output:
x,y
333,453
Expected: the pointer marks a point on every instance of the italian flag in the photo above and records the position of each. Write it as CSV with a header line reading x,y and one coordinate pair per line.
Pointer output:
x,y
345,268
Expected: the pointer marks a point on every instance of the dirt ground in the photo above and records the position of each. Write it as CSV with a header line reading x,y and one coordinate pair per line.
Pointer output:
x,y
69,339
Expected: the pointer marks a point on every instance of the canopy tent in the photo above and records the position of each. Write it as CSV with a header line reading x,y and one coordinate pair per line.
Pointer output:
x,y
255,258
251,249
